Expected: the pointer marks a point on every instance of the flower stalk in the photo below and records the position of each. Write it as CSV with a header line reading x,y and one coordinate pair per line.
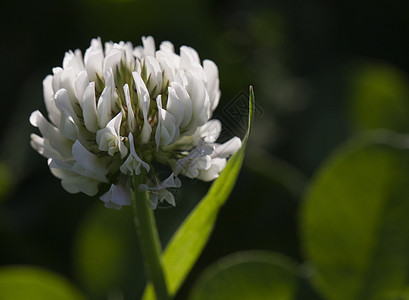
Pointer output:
x,y
148,239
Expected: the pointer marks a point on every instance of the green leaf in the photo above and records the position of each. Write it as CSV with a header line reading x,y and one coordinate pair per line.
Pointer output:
x,y
107,258
355,219
396,295
247,276
379,97
20,283
187,243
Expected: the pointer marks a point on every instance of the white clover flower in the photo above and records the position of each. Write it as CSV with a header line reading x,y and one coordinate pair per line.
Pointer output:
x,y
119,109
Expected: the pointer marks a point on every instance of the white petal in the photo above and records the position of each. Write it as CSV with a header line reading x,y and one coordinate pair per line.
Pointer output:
x,y
153,75
159,196
193,168
117,53
106,197
44,147
89,108
108,138
87,186
108,46
138,52
104,107
167,67
58,164
144,102
186,102
64,104
88,160
113,58
94,58
217,165
128,57
67,82
133,152
188,57
121,195
53,112
228,148
201,150
171,181
131,117
146,128
198,158
68,128
56,80
200,101
148,45
107,101
74,61
153,200
212,83
138,66
81,83
68,182
69,185
165,195
141,90
160,193
131,166
174,106
166,132
71,181
167,48
133,163
51,133
74,183
62,170
117,196
210,132
81,171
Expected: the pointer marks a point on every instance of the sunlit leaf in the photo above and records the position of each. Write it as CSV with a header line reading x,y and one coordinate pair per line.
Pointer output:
x,y
248,276
187,243
355,219
18,282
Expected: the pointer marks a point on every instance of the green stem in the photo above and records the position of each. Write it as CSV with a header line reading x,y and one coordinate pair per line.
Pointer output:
x,y
148,239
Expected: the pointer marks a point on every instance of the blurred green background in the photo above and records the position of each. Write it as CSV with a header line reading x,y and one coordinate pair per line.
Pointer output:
x,y
323,72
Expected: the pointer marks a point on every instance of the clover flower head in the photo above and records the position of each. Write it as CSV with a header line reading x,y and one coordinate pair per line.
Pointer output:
x,y
118,109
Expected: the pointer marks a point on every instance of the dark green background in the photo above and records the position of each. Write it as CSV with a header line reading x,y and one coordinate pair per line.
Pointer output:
x,y
316,67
